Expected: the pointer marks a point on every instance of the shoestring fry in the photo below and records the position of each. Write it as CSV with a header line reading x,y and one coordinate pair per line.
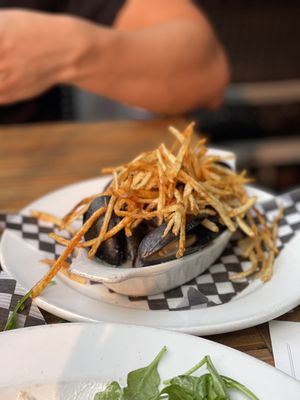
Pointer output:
x,y
169,185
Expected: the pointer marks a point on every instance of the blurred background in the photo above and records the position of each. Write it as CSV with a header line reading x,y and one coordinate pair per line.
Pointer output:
x,y
260,117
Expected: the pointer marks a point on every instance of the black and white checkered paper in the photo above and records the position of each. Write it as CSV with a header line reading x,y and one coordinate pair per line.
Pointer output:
x,y
212,288
10,293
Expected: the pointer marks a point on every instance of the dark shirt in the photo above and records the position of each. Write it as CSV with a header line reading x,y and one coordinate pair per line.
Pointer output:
x,y
55,104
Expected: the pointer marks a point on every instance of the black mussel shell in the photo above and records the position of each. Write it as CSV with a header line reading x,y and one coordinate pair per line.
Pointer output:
x,y
154,249
224,164
133,241
112,251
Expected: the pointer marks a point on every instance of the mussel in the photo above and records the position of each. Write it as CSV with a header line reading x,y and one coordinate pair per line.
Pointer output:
x,y
112,251
146,246
155,249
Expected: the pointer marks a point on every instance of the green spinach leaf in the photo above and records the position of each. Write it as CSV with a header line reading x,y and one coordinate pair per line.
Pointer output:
x,y
218,384
143,383
187,383
176,392
112,392
232,384
196,386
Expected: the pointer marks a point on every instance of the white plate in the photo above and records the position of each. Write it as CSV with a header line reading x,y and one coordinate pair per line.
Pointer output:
x,y
80,358
257,304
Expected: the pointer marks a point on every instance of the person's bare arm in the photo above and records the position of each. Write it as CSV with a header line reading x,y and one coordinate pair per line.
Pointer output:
x,y
161,55
191,57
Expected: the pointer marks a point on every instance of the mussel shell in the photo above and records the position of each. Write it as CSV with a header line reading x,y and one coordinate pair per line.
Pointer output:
x,y
133,241
112,251
153,242
224,164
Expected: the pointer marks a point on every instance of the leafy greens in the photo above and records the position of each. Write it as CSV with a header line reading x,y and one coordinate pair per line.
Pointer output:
x,y
143,384
12,320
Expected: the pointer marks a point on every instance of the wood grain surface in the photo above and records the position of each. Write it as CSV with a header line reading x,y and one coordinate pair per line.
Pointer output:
x,y
36,159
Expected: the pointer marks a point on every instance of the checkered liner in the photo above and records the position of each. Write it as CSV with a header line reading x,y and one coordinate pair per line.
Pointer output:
x,y
209,289
10,291
214,286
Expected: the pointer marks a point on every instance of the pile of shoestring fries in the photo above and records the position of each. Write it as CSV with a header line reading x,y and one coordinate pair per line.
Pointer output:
x,y
169,185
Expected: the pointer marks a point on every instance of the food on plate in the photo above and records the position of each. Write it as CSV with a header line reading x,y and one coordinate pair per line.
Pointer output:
x,y
167,203
164,204
145,384
148,242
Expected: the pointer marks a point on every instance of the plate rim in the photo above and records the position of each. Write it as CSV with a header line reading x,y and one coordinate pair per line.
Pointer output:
x,y
199,341
187,319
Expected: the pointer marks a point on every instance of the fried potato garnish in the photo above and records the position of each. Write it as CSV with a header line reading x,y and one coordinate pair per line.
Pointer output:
x,y
169,185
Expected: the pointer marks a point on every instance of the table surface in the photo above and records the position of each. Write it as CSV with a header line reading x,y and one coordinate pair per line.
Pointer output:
x,y
35,159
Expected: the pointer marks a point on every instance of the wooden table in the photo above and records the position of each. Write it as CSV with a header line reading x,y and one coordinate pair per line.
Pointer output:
x,y
36,159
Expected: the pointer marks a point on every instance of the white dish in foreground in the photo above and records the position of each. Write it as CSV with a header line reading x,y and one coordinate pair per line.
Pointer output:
x,y
258,303
73,361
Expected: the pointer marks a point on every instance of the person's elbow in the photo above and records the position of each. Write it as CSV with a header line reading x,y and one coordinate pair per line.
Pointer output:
x,y
196,88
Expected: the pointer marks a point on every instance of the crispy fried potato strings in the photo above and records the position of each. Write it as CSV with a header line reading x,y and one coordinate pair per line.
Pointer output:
x,y
171,185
